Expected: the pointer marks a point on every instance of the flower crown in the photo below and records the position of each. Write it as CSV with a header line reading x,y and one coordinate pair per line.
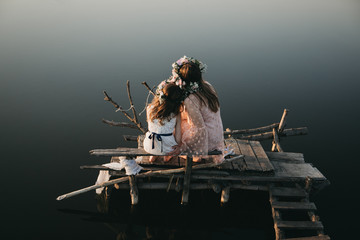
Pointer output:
x,y
175,77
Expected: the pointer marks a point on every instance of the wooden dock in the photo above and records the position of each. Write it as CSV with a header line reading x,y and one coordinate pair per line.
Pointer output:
x,y
284,175
289,180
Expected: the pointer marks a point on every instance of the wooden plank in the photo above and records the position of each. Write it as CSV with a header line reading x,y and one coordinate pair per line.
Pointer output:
x,y
293,205
299,225
261,156
296,170
287,192
227,165
251,131
286,157
186,186
251,161
134,152
324,237
240,165
269,135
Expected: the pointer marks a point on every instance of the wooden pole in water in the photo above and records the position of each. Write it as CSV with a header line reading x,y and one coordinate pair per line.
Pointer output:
x,y
134,193
225,195
185,195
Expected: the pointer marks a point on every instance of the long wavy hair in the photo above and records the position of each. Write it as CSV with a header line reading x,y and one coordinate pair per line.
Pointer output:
x,y
190,72
169,104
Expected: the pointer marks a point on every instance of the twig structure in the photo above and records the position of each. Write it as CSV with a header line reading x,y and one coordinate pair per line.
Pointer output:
x,y
134,119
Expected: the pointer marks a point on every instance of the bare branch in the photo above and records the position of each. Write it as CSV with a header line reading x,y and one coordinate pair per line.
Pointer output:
x,y
120,124
119,108
131,101
108,98
130,138
148,88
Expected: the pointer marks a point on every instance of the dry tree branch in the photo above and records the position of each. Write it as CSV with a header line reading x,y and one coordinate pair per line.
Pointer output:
x,y
148,88
133,119
108,98
119,124
131,101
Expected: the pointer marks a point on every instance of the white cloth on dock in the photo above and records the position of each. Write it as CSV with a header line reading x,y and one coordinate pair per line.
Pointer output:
x,y
130,165
103,176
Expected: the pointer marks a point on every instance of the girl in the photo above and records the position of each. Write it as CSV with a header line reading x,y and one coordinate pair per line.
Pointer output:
x,y
164,122
201,124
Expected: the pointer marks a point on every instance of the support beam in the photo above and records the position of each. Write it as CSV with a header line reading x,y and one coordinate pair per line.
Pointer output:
x,y
276,143
185,195
134,193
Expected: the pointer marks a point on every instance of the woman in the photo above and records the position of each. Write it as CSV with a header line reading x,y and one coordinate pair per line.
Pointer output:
x,y
201,124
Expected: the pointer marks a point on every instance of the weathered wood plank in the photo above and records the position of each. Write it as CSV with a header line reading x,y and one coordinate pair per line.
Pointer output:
x,y
299,225
261,156
193,186
134,152
251,161
287,192
296,170
252,130
286,157
293,205
324,237
227,165
240,165
269,135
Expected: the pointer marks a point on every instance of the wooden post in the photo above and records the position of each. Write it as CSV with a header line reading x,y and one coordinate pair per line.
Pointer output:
x,y
134,193
170,182
283,121
177,184
282,124
276,143
185,195
225,195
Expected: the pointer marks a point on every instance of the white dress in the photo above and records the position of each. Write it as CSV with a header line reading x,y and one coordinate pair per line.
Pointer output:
x,y
156,140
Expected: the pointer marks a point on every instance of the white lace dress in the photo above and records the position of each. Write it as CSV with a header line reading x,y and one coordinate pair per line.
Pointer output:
x,y
160,138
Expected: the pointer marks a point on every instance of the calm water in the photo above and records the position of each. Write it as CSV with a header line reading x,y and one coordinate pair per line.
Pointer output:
x,y
56,57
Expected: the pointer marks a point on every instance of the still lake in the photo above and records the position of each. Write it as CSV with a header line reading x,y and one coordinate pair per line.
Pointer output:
x,y
57,57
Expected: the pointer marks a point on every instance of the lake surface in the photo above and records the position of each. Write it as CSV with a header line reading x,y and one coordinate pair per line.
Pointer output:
x,y
57,57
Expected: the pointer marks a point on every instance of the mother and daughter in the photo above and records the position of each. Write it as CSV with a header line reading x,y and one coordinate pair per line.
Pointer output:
x,y
184,116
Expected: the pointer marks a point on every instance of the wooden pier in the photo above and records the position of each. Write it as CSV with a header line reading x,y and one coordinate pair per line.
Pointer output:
x,y
284,175
288,179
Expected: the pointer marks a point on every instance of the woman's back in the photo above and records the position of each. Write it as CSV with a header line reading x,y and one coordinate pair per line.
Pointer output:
x,y
202,129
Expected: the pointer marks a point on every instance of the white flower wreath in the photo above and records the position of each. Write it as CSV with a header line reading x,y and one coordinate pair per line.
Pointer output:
x,y
175,77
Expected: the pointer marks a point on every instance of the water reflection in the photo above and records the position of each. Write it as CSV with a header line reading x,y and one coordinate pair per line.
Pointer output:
x,y
159,215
